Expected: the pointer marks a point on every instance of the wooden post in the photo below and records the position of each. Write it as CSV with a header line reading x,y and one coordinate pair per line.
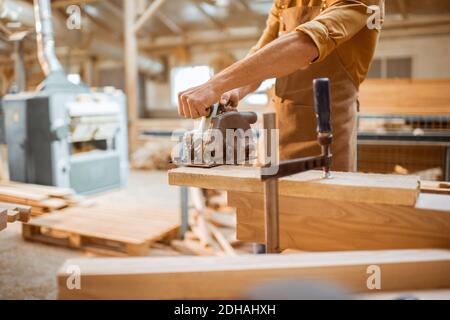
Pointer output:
x,y
272,233
131,70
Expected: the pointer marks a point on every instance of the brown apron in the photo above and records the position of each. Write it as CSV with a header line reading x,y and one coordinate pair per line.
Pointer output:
x,y
294,101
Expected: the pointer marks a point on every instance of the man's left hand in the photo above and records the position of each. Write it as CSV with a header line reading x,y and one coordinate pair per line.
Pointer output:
x,y
195,102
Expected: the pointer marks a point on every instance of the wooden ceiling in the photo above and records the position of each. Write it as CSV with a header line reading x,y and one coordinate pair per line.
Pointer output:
x,y
176,17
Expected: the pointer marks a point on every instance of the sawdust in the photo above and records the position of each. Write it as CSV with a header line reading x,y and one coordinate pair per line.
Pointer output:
x,y
28,270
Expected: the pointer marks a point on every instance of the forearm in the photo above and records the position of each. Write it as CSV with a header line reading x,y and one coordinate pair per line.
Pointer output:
x,y
281,57
244,91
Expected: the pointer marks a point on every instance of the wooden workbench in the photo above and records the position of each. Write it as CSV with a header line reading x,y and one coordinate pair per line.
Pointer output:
x,y
351,211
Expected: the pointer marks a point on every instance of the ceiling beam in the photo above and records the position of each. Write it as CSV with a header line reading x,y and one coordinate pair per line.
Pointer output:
x,y
66,3
207,15
148,13
200,38
169,23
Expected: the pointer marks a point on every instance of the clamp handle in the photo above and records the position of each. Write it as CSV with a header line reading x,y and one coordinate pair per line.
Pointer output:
x,y
322,103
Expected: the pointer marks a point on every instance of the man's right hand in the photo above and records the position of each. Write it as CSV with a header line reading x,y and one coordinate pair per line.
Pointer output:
x,y
231,98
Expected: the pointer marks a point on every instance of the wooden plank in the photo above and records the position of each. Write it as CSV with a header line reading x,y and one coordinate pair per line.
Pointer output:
x,y
226,246
230,277
49,191
16,212
357,187
442,294
191,247
18,193
19,207
435,187
405,97
3,219
328,225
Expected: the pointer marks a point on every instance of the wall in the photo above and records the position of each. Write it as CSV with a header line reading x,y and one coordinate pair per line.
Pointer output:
x,y
430,54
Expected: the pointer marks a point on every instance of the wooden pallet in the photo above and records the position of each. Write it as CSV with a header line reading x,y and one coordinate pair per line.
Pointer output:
x,y
111,232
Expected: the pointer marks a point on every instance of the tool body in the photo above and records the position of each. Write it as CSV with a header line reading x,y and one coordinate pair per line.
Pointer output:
x,y
271,172
222,138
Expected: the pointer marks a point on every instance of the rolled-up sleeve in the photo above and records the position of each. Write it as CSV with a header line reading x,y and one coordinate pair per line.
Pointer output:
x,y
271,30
336,25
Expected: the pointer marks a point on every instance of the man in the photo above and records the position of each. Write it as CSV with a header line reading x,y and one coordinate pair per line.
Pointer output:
x,y
303,40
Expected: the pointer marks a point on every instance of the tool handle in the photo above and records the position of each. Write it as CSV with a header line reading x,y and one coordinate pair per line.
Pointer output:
x,y
249,116
322,104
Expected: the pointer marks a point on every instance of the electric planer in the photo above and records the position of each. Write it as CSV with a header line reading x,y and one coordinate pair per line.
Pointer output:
x,y
222,138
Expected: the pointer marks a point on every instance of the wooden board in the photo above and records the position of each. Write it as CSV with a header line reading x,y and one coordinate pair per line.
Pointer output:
x,y
356,187
231,277
328,225
3,219
119,232
442,294
48,191
43,199
435,187
405,97
16,212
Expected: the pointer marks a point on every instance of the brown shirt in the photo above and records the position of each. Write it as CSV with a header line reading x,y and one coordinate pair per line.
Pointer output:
x,y
342,25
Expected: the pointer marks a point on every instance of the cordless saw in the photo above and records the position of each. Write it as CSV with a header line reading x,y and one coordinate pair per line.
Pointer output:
x,y
222,138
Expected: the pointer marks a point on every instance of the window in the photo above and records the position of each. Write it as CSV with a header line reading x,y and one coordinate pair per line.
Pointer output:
x,y
74,78
399,68
260,97
375,71
183,78
391,68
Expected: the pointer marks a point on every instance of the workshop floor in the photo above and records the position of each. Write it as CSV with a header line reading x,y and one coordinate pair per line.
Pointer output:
x,y
28,270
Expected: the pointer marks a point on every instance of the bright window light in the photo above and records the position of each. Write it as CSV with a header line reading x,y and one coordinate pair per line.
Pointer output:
x,y
260,96
74,78
266,85
257,99
183,78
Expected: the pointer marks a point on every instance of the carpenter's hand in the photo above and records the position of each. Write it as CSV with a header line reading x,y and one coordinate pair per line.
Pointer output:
x,y
230,99
195,102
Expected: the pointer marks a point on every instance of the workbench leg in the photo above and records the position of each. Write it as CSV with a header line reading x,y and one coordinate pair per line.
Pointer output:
x,y
184,210
272,216
447,165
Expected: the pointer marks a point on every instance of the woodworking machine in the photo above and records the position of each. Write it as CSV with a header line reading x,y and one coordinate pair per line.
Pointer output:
x,y
222,138
271,172
65,135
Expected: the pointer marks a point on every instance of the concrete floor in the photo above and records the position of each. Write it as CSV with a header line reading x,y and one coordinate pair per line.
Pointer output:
x,y
28,270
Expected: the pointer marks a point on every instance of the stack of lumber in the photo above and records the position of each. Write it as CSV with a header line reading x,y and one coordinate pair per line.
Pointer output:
x,y
182,278
42,199
212,233
212,228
